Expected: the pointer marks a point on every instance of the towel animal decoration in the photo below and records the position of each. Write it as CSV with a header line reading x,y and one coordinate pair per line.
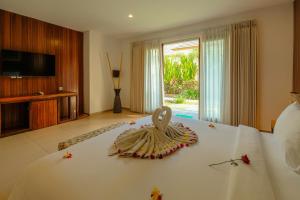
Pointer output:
x,y
156,140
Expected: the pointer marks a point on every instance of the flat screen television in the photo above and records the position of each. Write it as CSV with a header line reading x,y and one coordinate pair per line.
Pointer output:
x,y
19,63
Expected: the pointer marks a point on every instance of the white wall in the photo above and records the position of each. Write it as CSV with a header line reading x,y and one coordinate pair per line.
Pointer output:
x,y
125,95
86,72
275,56
98,85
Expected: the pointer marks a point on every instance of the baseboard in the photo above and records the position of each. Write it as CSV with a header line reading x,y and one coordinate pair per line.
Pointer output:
x,y
83,115
265,131
107,110
103,111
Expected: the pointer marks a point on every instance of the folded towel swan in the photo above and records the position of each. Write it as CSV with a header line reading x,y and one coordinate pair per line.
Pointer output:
x,y
155,140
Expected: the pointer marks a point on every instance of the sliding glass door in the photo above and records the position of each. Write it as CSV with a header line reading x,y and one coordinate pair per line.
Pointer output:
x,y
181,78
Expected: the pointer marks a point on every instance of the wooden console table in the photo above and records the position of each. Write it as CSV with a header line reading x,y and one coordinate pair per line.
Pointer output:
x,y
23,113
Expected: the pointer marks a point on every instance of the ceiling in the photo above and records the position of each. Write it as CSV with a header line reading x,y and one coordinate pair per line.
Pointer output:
x,y
183,47
111,16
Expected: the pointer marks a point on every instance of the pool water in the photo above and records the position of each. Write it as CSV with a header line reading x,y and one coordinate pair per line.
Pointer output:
x,y
184,116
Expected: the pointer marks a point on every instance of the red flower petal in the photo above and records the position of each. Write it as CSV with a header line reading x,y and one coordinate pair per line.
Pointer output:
x,y
68,155
245,159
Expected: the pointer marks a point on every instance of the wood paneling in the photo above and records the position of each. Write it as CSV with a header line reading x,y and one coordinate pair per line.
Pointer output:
x,y
27,34
43,114
296,72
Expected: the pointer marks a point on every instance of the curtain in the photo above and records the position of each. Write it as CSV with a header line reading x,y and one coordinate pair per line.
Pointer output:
x,y
137,78
153,76
215,76
228,74
243,37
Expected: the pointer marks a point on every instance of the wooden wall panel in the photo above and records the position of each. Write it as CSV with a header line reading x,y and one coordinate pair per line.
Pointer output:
x,y
296,72
28,34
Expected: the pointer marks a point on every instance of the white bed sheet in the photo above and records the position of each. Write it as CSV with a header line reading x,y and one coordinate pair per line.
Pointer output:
x,y
285,183
92,175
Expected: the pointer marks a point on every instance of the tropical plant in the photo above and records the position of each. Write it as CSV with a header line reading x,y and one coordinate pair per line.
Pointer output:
x,y
179,99
191,94
180,72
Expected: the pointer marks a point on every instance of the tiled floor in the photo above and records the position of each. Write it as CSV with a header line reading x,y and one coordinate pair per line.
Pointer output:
x,y
19,150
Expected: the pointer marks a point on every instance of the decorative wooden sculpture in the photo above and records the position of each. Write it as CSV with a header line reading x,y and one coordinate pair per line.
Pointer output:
x,y
116,74
155,140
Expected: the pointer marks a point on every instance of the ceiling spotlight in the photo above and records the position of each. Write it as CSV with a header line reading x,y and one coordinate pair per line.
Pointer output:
x,y
130,16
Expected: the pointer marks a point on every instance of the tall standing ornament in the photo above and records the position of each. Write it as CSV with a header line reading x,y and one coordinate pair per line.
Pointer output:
x,y
116,77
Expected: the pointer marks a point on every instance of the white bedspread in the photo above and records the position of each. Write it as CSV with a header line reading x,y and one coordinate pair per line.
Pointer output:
x,y
92,175
285,182
248,182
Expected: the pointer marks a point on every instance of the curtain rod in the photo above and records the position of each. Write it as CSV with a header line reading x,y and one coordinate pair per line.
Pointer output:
x,y
253,21
182,40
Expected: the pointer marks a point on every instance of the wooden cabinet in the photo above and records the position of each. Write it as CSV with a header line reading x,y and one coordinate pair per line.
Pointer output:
x,y
71,113
43,114
73,107
14,117
22,113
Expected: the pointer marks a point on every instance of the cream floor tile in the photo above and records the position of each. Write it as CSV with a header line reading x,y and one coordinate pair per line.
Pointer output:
x,y
17,151
5,190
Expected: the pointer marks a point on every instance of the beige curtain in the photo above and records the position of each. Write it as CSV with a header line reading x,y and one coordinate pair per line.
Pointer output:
x,y
137,78
215,75
243,59
153,76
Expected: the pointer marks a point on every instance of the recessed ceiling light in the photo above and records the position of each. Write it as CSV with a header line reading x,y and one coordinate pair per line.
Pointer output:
x,y
130,16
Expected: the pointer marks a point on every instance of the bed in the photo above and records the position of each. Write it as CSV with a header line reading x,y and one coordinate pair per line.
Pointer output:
x,y
93,175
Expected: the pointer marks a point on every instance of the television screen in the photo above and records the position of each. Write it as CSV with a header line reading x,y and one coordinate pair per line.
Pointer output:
x,y
18,63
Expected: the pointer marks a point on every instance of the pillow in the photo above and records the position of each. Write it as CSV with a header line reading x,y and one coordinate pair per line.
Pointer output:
x,y
287,129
